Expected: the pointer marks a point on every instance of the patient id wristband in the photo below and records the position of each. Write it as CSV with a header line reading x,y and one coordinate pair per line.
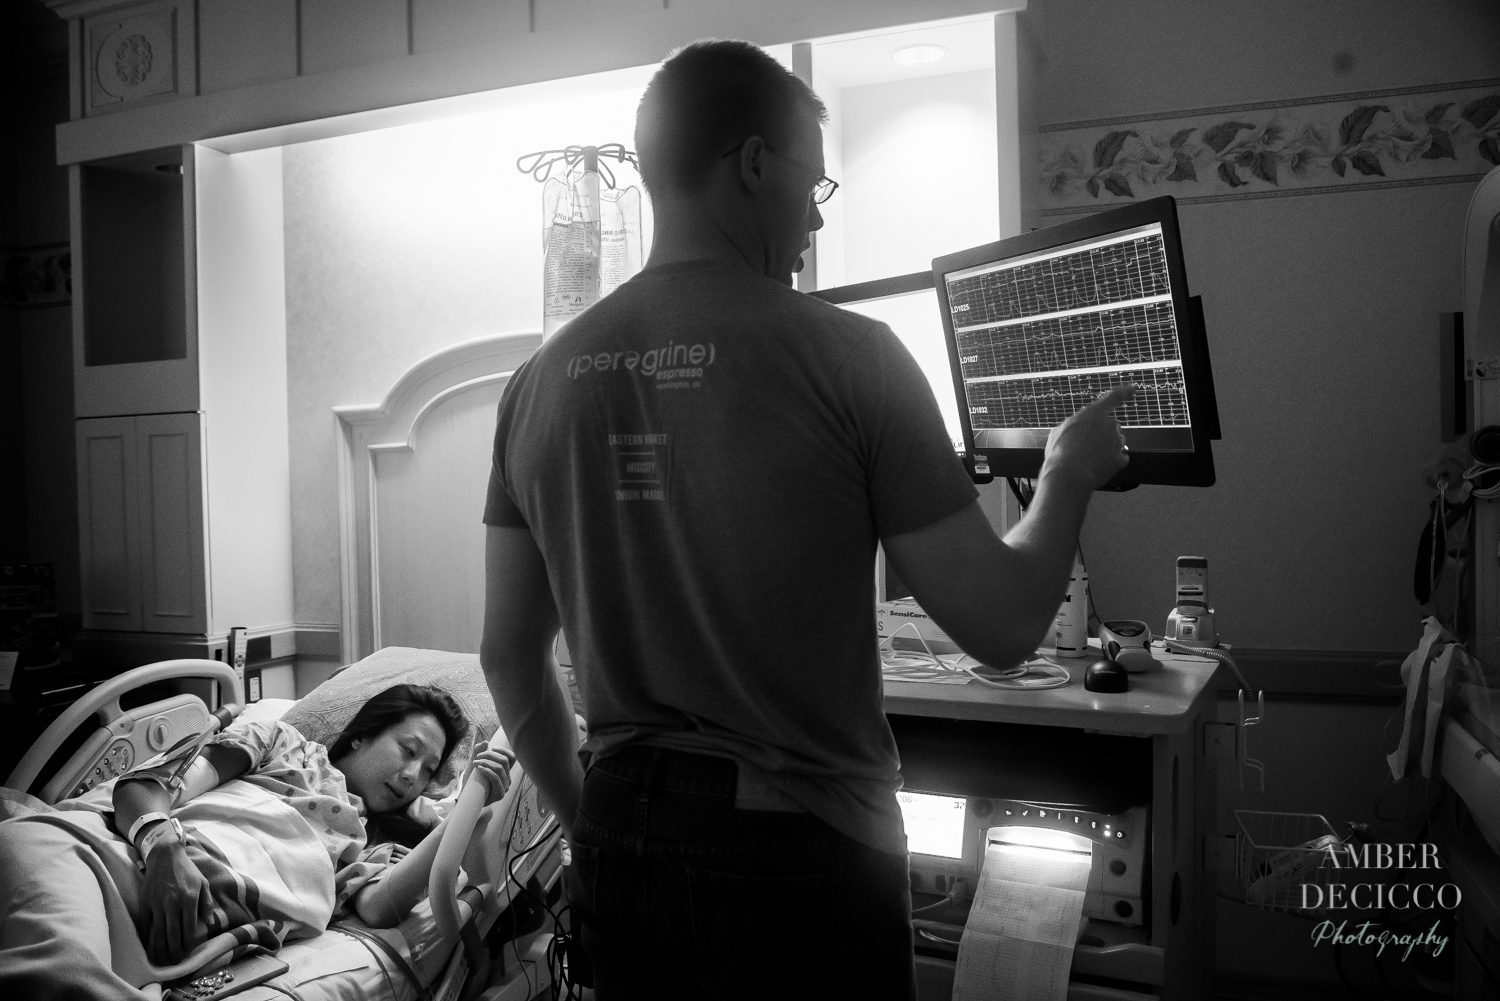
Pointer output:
x,y
154,837
142,821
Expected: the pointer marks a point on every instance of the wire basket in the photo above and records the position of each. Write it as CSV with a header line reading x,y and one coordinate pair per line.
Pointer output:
x,y
1279,852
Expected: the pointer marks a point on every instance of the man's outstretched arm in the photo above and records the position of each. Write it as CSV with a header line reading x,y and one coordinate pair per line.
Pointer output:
x,y
997,597
520,623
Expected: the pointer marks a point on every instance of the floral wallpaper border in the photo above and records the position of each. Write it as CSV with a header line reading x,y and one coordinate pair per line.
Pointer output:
x,y
1439,134
36,277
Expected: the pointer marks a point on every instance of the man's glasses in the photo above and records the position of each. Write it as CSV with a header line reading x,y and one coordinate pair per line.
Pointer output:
x,y
823,188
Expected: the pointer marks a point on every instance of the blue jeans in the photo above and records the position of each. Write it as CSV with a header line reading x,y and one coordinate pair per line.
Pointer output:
x,y
676,894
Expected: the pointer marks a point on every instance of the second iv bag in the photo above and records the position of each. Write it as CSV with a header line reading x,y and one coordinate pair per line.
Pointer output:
x,y
592,243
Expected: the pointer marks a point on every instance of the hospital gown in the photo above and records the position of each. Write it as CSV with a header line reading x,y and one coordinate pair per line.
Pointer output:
x,y
283,849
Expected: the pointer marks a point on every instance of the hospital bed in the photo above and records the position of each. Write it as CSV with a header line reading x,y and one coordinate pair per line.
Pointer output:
x,y
488,853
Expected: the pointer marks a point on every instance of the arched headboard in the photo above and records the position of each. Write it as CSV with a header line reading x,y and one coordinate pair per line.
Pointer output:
x,y
412,476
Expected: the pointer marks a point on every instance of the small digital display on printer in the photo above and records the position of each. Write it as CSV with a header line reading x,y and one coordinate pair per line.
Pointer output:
x,y
934,824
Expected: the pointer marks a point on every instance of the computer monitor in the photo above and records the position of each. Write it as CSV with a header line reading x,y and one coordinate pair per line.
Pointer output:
x,y
908,304
1039,325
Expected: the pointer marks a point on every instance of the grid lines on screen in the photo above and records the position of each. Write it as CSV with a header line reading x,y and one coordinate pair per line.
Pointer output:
x,y
1041,336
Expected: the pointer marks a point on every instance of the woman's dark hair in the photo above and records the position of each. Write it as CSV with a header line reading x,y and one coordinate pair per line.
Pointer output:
x,y
379,714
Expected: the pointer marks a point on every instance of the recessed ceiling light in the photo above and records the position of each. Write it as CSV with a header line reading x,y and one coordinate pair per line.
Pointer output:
x,y
919,55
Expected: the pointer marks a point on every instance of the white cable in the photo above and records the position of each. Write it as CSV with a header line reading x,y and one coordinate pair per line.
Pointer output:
x,y
914,666
1477,471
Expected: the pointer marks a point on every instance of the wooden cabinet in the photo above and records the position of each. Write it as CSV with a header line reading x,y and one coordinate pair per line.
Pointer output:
x,y
181,399
140,510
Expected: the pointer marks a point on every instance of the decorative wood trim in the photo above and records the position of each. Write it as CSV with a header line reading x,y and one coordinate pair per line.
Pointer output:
x,y
410,443
316,639
137,54
441,372
348,548
75,70
491,63
372,516
367,430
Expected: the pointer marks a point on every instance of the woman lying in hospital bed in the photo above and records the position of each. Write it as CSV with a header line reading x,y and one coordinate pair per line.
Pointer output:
x,y
268,836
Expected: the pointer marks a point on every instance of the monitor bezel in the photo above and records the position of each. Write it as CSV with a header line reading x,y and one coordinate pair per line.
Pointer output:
x,y
1194,468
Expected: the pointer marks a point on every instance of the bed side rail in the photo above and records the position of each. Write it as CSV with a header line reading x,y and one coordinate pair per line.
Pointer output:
x,y
116,724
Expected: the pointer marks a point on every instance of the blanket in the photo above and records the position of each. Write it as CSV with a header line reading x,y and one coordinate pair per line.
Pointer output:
x,y
70,890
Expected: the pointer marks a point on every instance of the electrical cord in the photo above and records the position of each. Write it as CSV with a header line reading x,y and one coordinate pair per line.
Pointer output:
x,y
287,990
1479,471
929,666
953,894
510,868
370,940
558,969
1023,497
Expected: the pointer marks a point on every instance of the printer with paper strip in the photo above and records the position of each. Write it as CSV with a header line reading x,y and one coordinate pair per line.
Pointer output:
x,y
947,836
972,788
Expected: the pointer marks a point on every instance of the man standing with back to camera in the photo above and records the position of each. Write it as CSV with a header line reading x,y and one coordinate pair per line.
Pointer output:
x,y
691,479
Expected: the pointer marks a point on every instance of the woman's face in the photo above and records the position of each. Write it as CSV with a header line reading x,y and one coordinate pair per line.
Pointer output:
x,y
389,770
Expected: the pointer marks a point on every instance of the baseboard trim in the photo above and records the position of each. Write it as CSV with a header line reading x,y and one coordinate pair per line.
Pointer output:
x,y
318,639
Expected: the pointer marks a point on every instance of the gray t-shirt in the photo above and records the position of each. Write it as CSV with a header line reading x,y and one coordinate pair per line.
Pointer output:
x,y
706,459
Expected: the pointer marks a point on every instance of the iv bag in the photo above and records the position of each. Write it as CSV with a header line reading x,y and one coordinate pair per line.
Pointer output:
x,y
592,244
570,269
620,236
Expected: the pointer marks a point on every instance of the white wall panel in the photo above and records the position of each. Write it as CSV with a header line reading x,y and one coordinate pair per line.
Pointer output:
x,y
553,15
448,24
341,33
242,324
431,541
919,172
245,42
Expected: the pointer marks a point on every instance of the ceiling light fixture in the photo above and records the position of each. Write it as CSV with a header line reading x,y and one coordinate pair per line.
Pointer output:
x,y
919,55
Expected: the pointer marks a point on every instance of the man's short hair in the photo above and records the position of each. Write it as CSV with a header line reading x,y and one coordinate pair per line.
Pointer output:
x,y
706,97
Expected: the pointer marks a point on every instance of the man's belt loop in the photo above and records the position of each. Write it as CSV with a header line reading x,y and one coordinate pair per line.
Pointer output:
x,y
643,800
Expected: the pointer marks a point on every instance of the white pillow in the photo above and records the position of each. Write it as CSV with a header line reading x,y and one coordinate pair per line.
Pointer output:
x,y
262,711
322,714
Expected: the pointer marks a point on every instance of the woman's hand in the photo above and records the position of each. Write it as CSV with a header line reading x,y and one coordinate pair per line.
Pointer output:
x,y
493,764
177,905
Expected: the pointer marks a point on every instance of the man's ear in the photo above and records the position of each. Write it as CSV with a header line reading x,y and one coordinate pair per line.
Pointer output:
x,y
751,162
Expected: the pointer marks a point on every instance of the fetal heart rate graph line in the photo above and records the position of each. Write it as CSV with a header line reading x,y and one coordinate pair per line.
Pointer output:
x,y
1041,339
1043,401
1131,335
1120,271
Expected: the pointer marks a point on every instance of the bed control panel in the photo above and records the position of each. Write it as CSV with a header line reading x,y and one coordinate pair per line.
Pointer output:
x,y
136,735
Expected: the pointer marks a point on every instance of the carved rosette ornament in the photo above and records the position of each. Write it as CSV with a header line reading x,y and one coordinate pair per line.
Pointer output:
x,y
133,57
133,60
